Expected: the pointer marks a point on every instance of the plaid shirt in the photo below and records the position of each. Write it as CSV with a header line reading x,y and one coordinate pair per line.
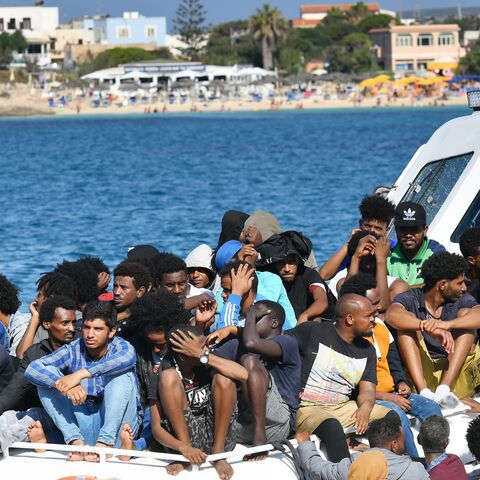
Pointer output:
x,y
119,358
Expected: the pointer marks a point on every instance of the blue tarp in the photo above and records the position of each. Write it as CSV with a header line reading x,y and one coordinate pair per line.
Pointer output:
x,y
461,78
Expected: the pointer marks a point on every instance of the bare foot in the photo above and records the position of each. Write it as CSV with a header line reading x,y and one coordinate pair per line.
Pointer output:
x,y
256,457
224,469
77,456
176,467
95,457
127,436
36,434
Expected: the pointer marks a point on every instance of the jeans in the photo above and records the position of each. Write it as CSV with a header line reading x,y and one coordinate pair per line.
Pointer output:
x,y
97,420
422,408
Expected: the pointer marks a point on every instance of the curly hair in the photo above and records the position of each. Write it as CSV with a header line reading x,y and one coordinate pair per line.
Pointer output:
x,y
56,283
168,263
442,266
433,434
375,207
234,266
157,312
138,272
103,310
356,237
473,437
84,276
47,311
96,263
185,328
470,242
9,301
358,284
384,430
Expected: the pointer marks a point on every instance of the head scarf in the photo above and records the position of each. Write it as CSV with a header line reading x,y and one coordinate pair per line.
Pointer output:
x,y
232,226
371,465
226,252
265,222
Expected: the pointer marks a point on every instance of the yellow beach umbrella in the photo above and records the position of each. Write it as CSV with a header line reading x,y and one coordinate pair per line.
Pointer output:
x,y
382,78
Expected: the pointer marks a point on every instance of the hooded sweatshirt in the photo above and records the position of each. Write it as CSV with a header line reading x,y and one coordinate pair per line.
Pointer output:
x,y
400,467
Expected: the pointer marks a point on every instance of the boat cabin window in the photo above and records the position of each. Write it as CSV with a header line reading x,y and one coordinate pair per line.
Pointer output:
x,y
434,183
471,219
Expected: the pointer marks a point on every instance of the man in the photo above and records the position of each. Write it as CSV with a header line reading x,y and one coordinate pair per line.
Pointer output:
x,y
19,402
336,360
89,387
413,247
434,439
470,248
199,267
386,456
270,400
9,303
393,390
435,361
285,254
131,281
376,214
193,408
24,331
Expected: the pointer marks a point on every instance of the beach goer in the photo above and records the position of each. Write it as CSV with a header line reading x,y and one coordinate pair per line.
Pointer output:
x,y
439,362
19,402
199,267
384,460
285,254
269,403
376,214
88,387
393,390
413,247
194,402
337,360
9,303
434,438
470,247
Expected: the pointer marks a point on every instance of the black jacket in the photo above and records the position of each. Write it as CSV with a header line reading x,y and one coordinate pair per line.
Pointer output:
x,y
19,394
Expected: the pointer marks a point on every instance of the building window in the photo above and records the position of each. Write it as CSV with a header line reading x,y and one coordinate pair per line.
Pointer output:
x,y
151,31
11,25
404,65
445,39
422,64
123,32
425,40
26,24
404,41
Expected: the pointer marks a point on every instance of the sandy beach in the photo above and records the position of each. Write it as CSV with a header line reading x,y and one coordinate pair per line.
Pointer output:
x,y
22,101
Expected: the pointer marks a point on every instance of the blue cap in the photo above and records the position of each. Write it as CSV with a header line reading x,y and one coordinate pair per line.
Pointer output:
x,y
226,252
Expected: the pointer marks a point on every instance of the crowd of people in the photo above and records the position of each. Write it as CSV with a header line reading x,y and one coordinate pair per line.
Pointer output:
x,y
252,342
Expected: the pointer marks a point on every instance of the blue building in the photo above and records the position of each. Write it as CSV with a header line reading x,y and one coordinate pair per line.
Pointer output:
x,y
130,29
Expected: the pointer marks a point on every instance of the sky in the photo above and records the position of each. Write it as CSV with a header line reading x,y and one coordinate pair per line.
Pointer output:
x,y
217,10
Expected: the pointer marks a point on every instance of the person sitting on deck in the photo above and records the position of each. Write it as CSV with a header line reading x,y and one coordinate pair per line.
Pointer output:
x,y
385,459
393,390
89,387
9,303
194,399
131,281
376,214
434,438
336,361
269,403
436,361
285,254
470,247
413,247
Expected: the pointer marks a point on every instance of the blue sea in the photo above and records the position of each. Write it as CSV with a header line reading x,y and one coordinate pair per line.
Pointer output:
x,y
98,185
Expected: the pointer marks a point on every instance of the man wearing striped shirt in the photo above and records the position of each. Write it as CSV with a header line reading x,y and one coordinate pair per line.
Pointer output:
x,y
89,387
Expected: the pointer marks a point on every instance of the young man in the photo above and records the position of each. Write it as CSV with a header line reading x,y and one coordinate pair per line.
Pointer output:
x,y
285,254
386,456
199,267
393,390
270,400
413,247
423,317
131,281
336,360
434,439
19,402
9,303
376,214
89,387
470,248
193,406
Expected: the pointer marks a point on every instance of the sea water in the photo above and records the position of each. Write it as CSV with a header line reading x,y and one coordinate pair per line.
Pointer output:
x,y
98,185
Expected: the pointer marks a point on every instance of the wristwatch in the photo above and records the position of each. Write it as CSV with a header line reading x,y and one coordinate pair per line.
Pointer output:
x,y
204,357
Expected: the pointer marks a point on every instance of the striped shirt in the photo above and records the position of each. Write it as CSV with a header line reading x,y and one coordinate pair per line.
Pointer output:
x,y
119,358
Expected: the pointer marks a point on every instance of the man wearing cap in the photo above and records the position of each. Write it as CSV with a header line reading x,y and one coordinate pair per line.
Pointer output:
x,y
413,246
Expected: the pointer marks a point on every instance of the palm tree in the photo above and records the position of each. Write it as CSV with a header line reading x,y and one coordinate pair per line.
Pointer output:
x,y
269,26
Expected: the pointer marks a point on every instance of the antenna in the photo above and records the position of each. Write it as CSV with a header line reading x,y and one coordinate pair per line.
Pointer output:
x,y
400,8
416,10
459,12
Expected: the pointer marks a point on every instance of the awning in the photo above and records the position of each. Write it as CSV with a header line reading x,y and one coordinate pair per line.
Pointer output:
x,y
442,65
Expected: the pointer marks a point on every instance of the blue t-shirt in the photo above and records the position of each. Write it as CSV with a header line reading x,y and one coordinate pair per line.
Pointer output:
x,y
4,338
